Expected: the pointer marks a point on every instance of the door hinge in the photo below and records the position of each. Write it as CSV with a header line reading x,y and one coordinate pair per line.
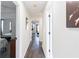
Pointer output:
x,y
49,50
49,33
49,16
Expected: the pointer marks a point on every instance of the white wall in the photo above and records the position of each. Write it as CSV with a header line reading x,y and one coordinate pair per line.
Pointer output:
x,y
44,35
40,29
66,40
23,34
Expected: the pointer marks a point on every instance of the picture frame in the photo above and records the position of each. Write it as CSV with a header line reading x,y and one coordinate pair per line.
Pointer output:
x,y
72,14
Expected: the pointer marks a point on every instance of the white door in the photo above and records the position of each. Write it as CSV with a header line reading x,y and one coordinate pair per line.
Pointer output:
x,y
49,37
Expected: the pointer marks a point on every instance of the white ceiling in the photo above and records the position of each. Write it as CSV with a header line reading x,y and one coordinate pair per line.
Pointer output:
x,y
35,8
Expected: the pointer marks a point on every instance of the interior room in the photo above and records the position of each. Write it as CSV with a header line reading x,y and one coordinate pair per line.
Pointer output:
x,y
7,29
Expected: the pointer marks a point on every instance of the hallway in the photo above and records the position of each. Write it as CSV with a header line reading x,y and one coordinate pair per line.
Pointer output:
x,y
35,49
39,29
30,43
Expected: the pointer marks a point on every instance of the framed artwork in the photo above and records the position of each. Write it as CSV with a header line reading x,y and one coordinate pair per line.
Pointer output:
x,y
72,14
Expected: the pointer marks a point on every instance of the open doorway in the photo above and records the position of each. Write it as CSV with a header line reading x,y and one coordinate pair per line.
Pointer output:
x,y
35,33
8,30
35,29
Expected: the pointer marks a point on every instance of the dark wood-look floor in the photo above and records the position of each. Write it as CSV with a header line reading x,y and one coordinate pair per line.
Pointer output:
x,y
35,49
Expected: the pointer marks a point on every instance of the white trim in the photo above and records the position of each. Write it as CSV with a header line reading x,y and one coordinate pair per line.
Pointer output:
x,y
18,46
